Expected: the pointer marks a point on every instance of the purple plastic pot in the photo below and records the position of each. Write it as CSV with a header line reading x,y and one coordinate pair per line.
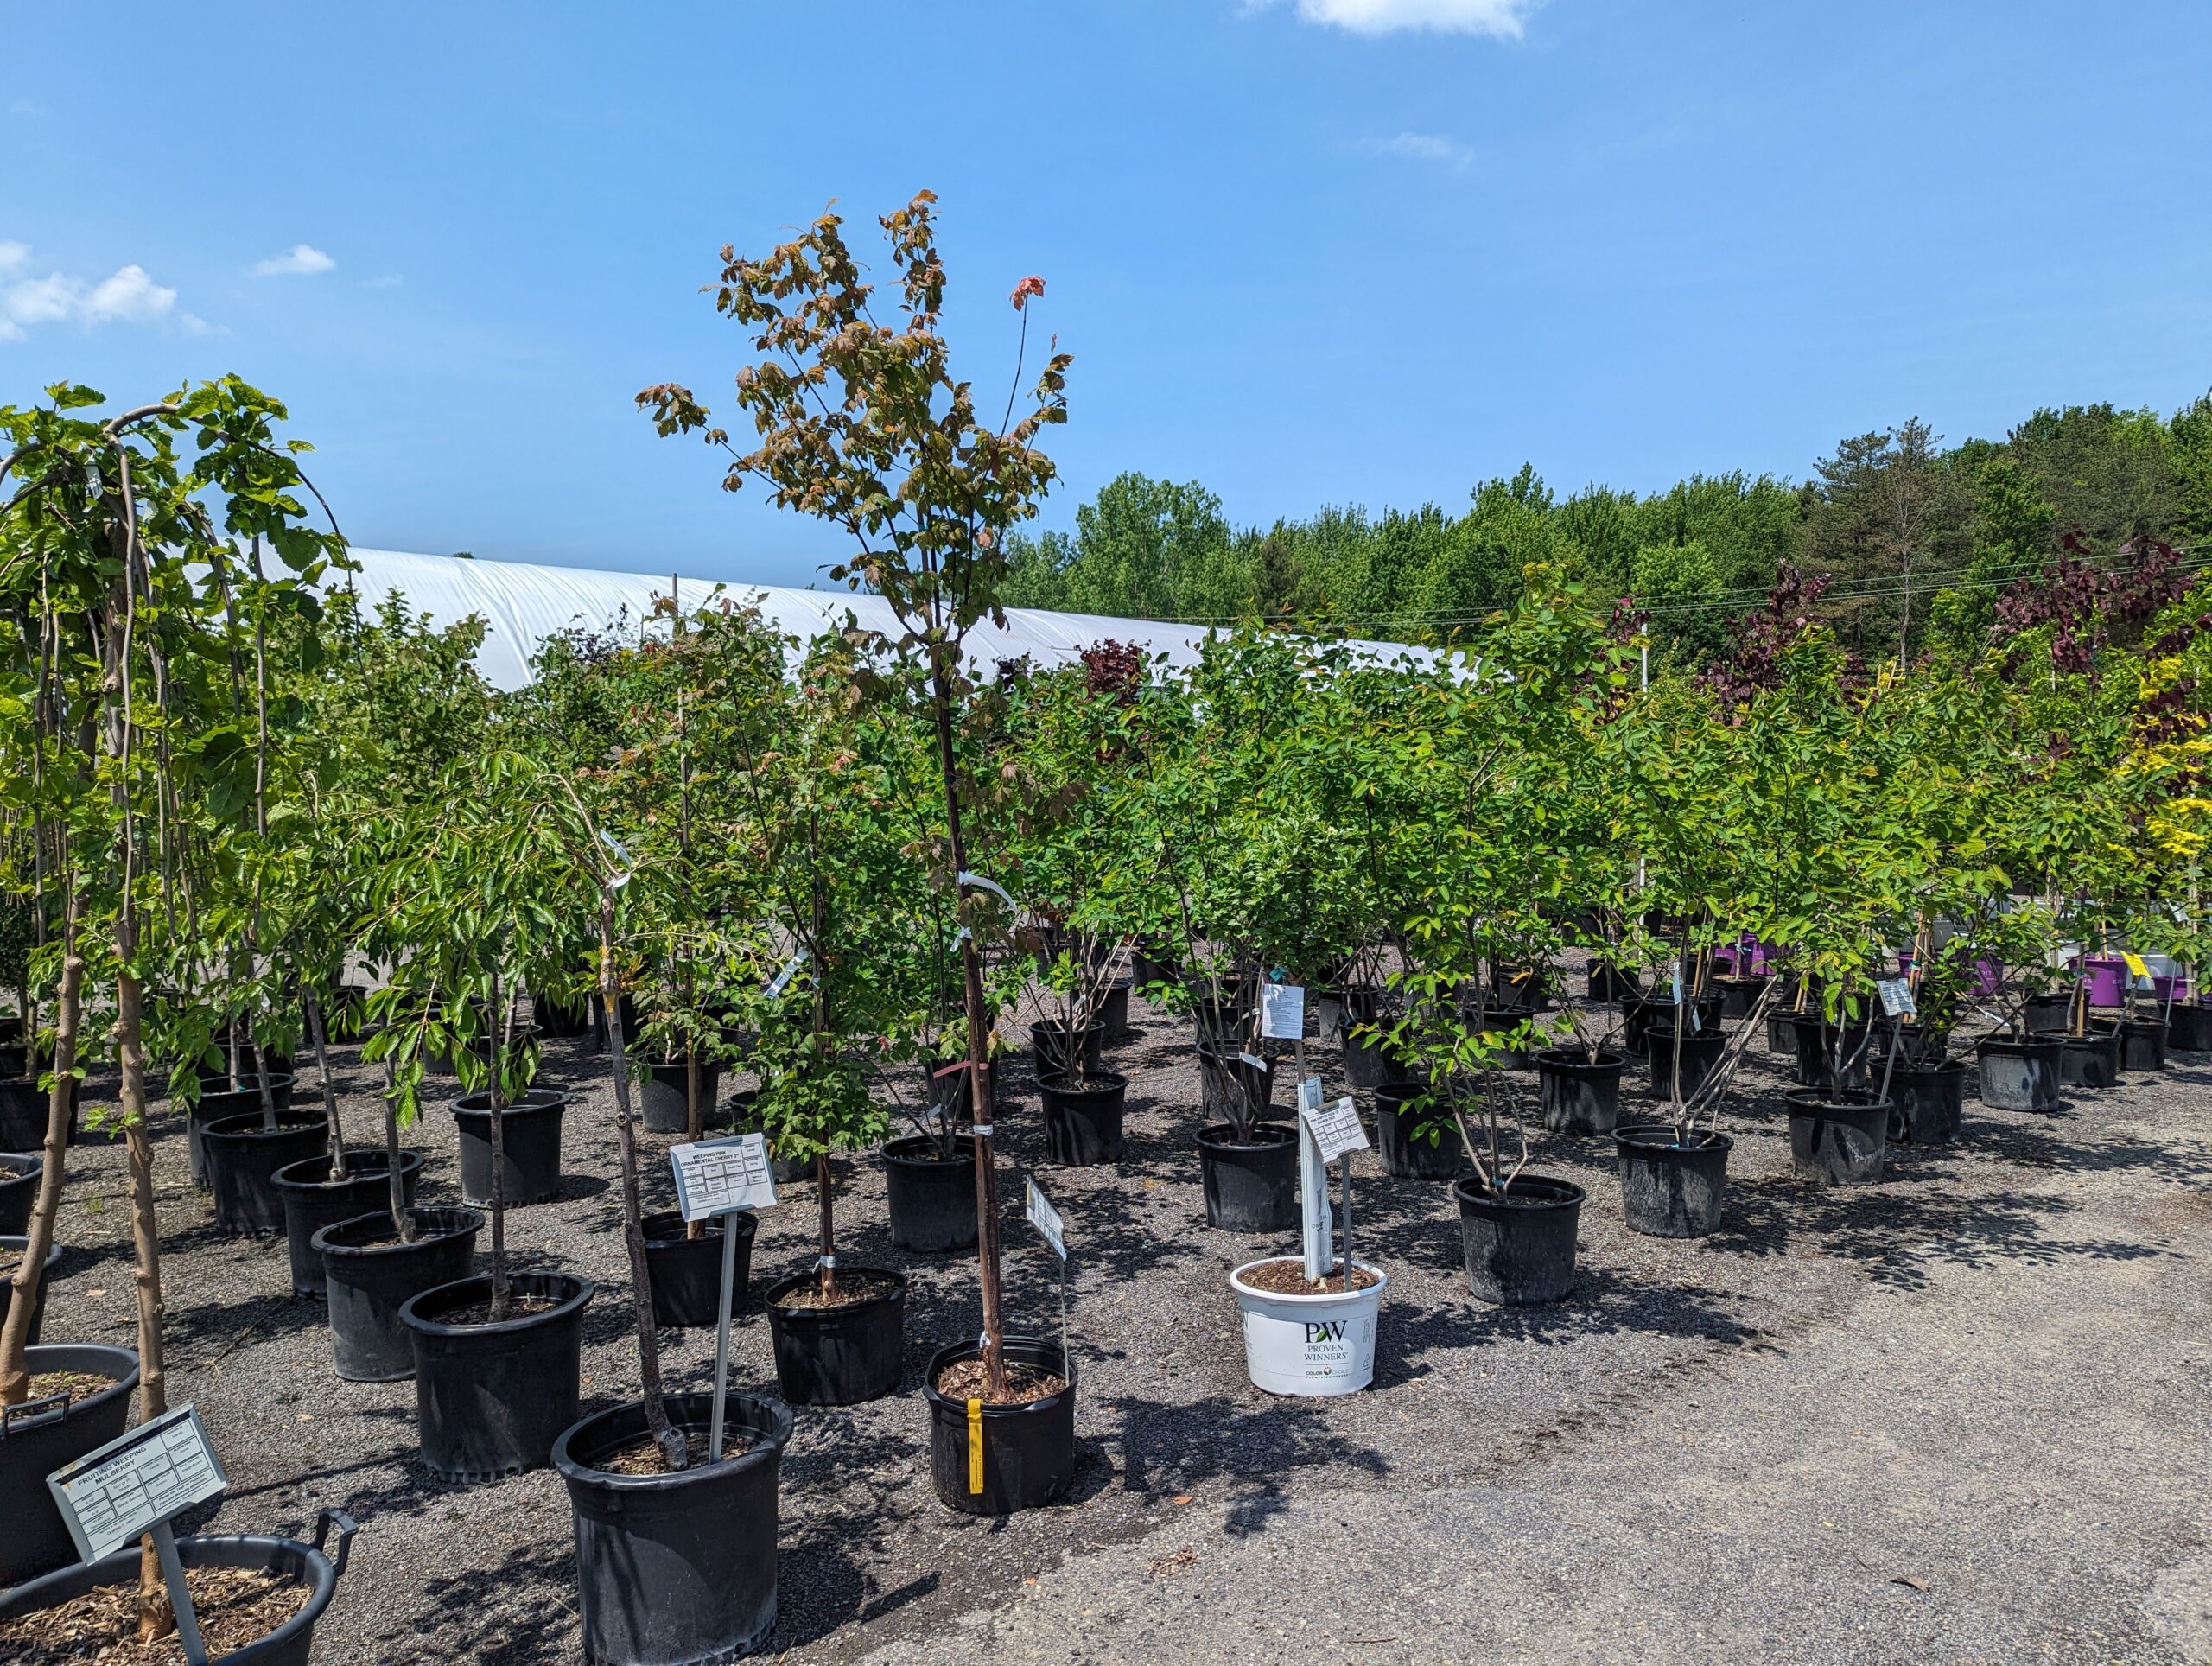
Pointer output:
x,y
2107,977
2169,988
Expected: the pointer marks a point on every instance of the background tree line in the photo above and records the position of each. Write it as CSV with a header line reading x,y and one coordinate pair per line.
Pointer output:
x,y
1919,539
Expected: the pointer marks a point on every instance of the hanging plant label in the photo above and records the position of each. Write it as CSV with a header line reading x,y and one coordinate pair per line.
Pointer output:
x,y
1282,1011
1336,1128
791,970
1254,1060
1046,1219
718,1177
2137,970
138,1482
1897,997
991,886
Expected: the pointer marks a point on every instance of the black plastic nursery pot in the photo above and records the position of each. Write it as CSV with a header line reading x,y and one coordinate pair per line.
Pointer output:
x,y
2047,1015
2188,1027
489,1400
23,1110
19,1174
1415,1145
681,1567
1229,1087
1028,1450
843,1355
529,1136
1579,1096
39,1436
1669,1189
1840,1136
1518,991
932,1197
2020,1075
1082,1118
369,1275
1520,1247
312,1200
243,1157
1250,1184
1700,1053
1057,1055
1927,1106
554,1017
665,1095
1740,994
289,1644
1837,1055
2142,1044
1609,982
218,1102
687,1272
1782,1032
1219,1021
2086,1061
1114,1009
12,1245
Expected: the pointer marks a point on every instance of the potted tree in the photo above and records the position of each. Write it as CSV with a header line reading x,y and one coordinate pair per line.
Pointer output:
x,y
899,461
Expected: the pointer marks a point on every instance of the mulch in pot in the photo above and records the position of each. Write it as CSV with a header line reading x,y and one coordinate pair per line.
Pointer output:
x,y
1288,1278
964,1379
853,1288
644,1457
77,1385
235,1606
480,1313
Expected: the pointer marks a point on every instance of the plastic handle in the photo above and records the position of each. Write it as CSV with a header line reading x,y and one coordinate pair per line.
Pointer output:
x,y
32,1411
346,1526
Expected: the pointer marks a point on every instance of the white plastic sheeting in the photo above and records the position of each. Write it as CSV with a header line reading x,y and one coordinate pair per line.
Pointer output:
x,y
522,605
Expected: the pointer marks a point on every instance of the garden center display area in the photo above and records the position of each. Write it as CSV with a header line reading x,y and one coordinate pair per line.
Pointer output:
x,y
1204,1141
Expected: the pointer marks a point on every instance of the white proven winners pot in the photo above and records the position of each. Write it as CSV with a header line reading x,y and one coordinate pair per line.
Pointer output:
x,y
1309,1344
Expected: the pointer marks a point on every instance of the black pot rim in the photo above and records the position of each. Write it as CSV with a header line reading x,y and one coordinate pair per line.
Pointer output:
x,y
246,1126
323,1246
1576,1060
1563,1193
248,1083
579,1291
1811,1101
2014,1044
125,1382
806,1315
767,1448
921,1149
1222,1136
124,1565
27,1165
1098,1083
1659,1138
1055,1026
953,1353
750,1228
410,1162
534,1102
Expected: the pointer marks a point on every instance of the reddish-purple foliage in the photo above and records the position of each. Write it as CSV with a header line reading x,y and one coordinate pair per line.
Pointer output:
x,y
1753,662
2081,601
1114,670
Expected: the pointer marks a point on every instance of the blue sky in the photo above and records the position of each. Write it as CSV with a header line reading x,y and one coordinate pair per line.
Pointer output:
x,y
1318,251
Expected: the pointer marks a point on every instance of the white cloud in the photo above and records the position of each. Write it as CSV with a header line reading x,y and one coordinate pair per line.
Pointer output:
x,y
304,261
1502,18
129,295
1429,147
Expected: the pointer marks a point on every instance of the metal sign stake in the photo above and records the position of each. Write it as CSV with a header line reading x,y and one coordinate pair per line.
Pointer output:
x,y
188,1622
721,1343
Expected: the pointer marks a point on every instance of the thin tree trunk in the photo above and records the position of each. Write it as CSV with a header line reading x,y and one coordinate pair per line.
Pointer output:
x,y
15,1337
979,1063
673,1445
329,1090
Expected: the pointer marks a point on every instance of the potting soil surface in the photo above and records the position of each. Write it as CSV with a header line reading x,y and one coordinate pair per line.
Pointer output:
x,y
966,1379
1958,1415
234,1606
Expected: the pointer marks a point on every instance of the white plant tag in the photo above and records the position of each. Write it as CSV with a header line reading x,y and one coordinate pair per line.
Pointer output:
x,y
1309,1094
1255,1061
782,979
1317,1224
1336,1127
715,1177
1046,1219
1282,1011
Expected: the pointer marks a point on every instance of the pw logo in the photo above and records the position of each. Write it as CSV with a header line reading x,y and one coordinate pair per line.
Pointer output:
x,y
1328,1329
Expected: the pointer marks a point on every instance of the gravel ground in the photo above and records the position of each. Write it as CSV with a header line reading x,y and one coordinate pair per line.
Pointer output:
x,y
1988,1374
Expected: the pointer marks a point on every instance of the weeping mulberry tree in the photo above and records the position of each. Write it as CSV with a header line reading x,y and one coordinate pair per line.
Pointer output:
x,y
860,421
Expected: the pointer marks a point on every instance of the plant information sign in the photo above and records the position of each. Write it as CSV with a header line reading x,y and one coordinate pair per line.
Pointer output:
x,y
716,1177
112,1497
1282,1011
1336,1127
1046,1219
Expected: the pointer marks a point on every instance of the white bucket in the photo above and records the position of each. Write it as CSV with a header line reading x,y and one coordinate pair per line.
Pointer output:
x,y
1309,1344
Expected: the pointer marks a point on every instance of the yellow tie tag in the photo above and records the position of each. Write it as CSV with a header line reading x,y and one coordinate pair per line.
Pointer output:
x,y
975,1446
2135,965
